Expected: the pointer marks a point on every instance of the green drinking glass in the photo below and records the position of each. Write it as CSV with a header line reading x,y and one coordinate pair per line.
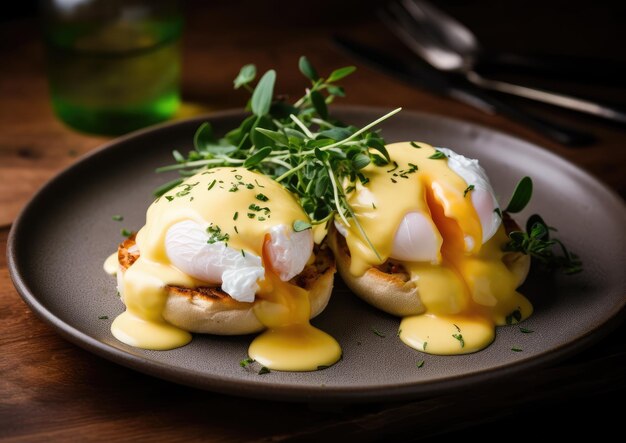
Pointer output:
x,y
113,65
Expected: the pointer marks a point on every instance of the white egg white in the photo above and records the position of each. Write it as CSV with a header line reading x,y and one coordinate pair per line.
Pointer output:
x,y
238,273
483,197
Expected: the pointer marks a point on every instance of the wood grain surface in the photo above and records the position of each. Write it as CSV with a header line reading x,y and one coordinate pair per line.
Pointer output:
x,y
52,390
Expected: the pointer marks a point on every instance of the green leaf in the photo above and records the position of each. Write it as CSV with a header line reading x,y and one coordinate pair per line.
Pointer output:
x,y
236,135
293,134
258,138
278,137
320,155
380,147
360,161
319,103
257,157
301,225
336,134
536,219
336,90
340,73
321,185
263,93
307,69
245,76
521,195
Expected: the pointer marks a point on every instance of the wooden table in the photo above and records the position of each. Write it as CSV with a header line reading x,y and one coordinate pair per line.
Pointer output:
x,y
50,389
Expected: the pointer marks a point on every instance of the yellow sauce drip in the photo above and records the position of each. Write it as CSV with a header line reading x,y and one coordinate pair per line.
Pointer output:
x,y
222,196
290,343
111,264
472,287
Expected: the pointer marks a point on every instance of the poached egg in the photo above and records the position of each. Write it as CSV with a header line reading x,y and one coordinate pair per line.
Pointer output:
x,y
434,213
231,229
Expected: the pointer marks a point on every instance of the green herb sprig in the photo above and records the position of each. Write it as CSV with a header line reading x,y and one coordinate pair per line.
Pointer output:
x,y
300,145
536,241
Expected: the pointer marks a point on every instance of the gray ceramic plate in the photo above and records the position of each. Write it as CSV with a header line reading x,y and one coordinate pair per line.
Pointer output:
x,y
58,244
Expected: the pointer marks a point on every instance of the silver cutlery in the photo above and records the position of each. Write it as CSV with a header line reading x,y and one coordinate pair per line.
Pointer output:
x,y
449,46
416,72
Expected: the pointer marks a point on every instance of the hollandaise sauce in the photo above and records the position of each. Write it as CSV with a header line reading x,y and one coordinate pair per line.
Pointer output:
x,y
469,287
239,207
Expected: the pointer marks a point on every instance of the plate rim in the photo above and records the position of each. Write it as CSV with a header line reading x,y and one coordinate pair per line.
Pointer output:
x,y
293,392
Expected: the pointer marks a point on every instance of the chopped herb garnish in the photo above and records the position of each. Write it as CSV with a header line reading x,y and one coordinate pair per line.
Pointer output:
x,y
393,180
261,218
264,370
373,205
243,253
415,145
237,176
262,197
468,189
236,230
377,332
516,349
103,317
424,346
211,185
526,330
246,362
169,198
258,184
117,218
438,155
126,232
251,215
216,234
420,363
459,337
395,166
236,215
457,328
514,317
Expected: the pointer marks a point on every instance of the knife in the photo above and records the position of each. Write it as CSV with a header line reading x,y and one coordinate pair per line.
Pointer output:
x,y
419,74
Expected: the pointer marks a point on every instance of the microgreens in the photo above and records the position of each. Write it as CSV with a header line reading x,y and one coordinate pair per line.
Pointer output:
x,y
536,241
300,145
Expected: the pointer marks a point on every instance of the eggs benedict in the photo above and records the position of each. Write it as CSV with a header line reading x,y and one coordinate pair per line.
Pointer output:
x,y
429,248
228,251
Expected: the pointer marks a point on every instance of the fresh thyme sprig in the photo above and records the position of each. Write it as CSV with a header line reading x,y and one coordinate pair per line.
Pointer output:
x,y
536,241
300,145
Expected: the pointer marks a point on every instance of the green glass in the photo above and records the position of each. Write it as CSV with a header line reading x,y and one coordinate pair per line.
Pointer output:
x,y
113,71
